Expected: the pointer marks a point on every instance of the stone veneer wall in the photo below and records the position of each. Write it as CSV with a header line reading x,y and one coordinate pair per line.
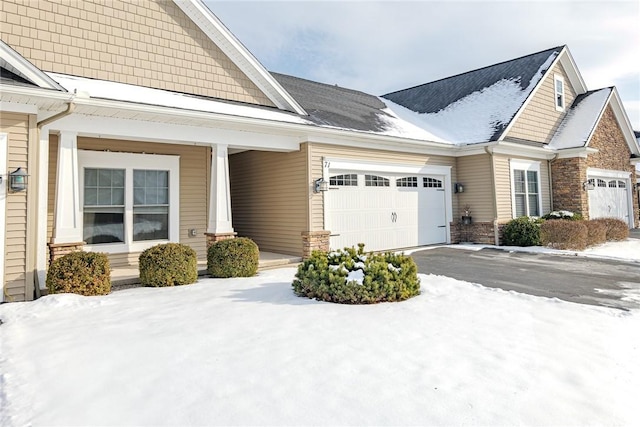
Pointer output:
x,y
314,240
477,232
568,175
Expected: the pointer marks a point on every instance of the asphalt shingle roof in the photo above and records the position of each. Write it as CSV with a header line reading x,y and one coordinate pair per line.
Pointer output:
x,y
436,96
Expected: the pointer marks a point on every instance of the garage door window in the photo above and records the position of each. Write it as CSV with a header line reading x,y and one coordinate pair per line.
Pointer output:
x,y
375,181
431,183
344,180
410,181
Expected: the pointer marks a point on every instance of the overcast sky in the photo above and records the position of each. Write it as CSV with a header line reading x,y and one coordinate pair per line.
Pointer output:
x,y
379,47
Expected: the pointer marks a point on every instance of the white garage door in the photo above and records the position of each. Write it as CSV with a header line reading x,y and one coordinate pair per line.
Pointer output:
x,y
609,199
385,211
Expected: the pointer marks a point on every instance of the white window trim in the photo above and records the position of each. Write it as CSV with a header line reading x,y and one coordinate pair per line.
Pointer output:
x,y
559,78
4,141
526,165
129,162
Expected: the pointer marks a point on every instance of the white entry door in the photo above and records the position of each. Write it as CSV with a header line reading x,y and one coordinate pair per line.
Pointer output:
x,y
609,199
385,211
3,207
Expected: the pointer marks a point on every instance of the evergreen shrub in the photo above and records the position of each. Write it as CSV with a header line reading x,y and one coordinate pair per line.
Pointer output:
x,y
83,273
233,258
560,234
616,228
168,264
568,215
351,276
522,231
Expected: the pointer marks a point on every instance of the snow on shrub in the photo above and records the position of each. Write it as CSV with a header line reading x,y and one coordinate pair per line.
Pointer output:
x,y
351,276
571,216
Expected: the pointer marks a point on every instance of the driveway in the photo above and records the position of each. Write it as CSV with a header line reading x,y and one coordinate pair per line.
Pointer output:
x,y
583,280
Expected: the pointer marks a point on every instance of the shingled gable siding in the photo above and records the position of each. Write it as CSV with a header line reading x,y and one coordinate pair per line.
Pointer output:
x,y
16,284
148,43
193,188
320,151
540,119
269,198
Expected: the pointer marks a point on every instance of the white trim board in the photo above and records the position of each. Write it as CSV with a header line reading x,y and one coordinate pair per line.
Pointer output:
x,y
3,206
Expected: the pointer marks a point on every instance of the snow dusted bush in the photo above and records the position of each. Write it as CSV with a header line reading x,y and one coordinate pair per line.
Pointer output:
x,y
616,228
168,264
568,215
83,273
522,231
351,276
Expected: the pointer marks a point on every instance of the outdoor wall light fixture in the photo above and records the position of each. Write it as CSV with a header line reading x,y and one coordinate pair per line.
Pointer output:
x,y
18,180
588,185
320,185
458,188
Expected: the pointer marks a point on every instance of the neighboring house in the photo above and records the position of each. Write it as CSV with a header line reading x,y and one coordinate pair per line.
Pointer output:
x,y
146,123
542,141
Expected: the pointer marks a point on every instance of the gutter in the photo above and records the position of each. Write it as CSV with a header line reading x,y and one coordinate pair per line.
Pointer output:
x,y
496,234
41,202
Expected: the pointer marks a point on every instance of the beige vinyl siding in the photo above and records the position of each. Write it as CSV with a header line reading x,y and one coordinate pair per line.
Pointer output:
x,y
504,187
474,172
269,198
320,151
193,187
16,286
540,119
146,43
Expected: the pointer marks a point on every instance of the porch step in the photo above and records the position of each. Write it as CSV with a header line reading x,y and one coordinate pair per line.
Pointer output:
x,y
125,278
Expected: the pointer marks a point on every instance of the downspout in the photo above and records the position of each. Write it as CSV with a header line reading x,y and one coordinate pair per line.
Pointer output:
x,y
496,233
555,156
39,125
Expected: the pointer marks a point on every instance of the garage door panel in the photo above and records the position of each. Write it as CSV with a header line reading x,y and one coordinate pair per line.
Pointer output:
x,y
390,212
608,198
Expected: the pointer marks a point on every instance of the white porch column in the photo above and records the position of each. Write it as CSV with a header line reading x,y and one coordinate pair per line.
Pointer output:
x,y
219,194
67,223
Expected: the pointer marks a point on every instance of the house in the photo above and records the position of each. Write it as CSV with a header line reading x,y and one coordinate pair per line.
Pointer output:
x,y
137,124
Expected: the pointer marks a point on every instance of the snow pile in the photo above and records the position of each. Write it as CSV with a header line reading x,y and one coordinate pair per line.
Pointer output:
x,y
248,352
477,116
143,95
580,121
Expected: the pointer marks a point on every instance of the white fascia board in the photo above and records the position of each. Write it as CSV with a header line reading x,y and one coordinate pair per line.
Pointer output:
x,y
239,54
26,69
341,164
576,152
569,65
514,149
139,130
608,173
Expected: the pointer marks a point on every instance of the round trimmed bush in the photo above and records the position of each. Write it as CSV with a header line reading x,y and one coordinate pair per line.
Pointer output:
x,y
353,277
522,231
83,273
233,258
168,264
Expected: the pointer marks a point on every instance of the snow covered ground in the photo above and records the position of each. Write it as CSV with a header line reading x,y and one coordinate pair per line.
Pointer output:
x,y
249,352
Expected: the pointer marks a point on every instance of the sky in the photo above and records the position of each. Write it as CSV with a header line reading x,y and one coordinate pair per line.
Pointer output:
x,y
379,47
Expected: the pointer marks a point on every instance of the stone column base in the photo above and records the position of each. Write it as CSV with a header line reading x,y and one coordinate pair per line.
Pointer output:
x,y
58,250
216,237
314,240
477,232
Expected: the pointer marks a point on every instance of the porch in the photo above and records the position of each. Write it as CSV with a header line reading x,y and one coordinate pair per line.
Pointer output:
x,y
127,276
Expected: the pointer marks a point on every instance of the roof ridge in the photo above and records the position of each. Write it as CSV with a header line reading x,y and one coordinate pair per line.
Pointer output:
x,y
477,69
